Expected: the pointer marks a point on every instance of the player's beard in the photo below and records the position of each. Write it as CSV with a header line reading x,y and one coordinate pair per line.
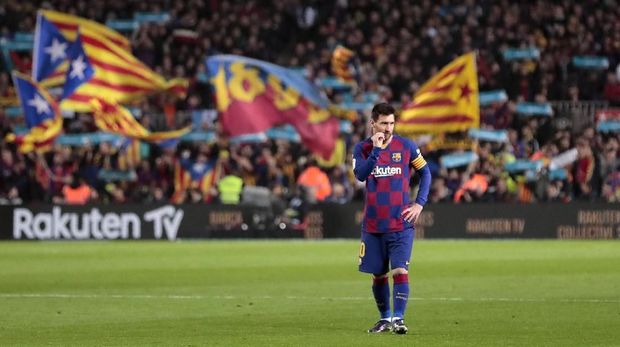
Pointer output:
x,y
387,137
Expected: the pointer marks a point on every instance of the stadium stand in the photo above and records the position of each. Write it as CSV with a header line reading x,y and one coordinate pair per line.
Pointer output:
x,y
572,56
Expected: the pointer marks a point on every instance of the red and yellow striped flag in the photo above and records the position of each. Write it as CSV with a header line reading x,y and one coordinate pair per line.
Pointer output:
x,y
41,114
68,27
114,118
118,73
184,180
341,64
448,102
129,154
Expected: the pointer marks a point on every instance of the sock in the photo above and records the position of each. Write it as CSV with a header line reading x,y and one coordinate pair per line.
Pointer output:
x,y
381,290
401,294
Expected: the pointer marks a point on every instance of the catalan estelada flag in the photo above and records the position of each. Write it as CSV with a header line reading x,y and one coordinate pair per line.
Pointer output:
x,y
189,174
343,64
41,113
448,102
253,96
118,74
115,118
129,153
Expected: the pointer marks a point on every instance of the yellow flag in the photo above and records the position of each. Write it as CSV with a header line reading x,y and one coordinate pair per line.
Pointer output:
x,y
448,102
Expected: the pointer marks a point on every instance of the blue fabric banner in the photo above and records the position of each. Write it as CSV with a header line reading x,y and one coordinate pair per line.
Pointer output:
x,y
488,135
521,165
534,109
608,126
458,159
126,25
151,17
521,53
591,62
492,96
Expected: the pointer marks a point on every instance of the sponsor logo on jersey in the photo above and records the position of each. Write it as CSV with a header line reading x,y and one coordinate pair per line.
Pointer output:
x,y
397,157
386,171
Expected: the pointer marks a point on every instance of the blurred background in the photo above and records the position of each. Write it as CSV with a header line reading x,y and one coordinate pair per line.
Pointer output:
x,y
548,76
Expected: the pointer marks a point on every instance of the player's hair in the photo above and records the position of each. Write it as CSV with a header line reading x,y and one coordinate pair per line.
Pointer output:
x,y
382,109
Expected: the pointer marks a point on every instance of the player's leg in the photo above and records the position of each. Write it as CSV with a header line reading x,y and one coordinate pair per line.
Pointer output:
x,y
373,259
399,248
381,292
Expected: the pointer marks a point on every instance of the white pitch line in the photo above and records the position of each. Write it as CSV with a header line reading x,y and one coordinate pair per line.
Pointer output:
x,y
269,297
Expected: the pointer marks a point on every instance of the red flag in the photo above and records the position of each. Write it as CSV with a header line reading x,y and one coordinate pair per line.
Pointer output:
x,y
253,96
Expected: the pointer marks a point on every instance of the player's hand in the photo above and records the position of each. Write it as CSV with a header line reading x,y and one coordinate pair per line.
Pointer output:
x,y
377,139
412,213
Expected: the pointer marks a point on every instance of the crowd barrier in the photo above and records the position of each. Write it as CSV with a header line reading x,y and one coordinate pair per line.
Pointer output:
x,y
171,222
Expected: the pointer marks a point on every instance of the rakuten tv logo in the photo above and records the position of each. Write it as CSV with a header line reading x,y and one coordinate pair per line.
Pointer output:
x,y
94,225
386,171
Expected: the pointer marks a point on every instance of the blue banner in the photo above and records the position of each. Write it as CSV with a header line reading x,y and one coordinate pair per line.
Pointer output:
x,y
199,136
286,132
127,25
356,106
608,126
87,138
521,165
488,135
151,17
534,109
249,138
521,53
13,111
558,174
492,96
23,37
19,46
458,159
116,175
591,62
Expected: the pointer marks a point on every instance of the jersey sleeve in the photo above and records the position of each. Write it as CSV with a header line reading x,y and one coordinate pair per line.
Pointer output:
x,y
420,166
417,160
362,167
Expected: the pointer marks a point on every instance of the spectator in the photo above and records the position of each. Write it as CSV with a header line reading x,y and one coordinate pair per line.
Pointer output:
x,y
77,192
11,197
230,188
316,181
400,44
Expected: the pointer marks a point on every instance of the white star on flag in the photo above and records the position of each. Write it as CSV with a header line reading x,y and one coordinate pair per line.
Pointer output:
x,y
40,104
56,50
77,68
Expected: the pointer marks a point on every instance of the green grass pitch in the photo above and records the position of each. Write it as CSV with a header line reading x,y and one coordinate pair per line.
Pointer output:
x,y
298,293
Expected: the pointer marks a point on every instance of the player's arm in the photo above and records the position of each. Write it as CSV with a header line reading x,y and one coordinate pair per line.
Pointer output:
x,y
425,185
411,213
362,167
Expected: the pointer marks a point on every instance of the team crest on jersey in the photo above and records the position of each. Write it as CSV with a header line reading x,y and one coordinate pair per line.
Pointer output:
x,y
397,157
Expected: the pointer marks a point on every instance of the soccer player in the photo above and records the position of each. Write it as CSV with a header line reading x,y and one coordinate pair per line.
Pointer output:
x,y
384,161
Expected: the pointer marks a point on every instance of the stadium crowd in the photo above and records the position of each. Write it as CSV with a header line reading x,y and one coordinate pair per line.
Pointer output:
x,y
400,44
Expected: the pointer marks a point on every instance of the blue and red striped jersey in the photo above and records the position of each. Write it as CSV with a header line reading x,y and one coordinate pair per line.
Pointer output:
x,y
387,172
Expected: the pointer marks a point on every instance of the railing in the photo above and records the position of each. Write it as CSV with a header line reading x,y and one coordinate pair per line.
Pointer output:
x,y
580,114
